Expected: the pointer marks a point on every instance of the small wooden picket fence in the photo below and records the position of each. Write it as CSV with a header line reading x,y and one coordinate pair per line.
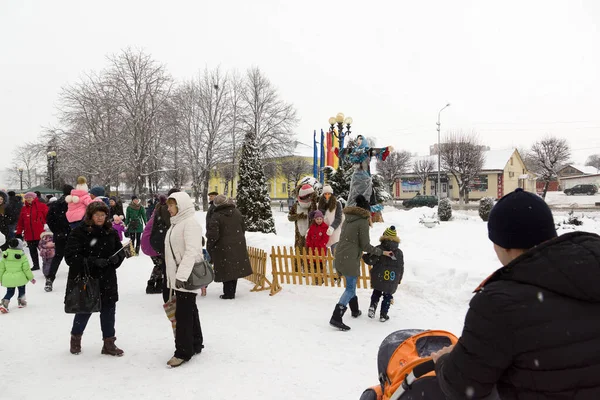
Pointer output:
x,y
302,267
258,261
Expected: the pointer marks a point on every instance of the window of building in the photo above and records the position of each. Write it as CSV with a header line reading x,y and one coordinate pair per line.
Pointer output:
x,y
283,187
511,161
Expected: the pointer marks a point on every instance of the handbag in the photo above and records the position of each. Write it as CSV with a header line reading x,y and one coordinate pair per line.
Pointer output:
x,y
170,306
133,225
84,296
202,273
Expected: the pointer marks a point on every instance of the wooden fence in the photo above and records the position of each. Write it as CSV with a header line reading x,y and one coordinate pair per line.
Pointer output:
x,y
302,267
258,261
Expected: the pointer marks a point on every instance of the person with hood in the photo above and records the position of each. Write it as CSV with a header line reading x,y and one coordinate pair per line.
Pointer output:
x,y
116,208
77,202
134,221
305,204
532,329
31,225
354,240
97,193
183,245
386,273
95,244
4,219
12,212
332,210
60,227
14,274
226,245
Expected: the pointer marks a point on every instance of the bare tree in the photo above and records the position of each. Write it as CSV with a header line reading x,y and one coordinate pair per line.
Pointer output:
x,y
268,116
294,168
393,168
549,155
30,158
593,161
423,168
463,156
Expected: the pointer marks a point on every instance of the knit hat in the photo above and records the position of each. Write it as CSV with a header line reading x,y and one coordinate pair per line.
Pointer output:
x,y
82,184
52,199
520,220
327,189
363,203
219,200
391,232
16,244
29,194
162,199
67,189
11,193
305,191
97,191
315,214
134,197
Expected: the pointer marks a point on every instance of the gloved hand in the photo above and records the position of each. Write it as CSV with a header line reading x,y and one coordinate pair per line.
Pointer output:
x,y
330,231
100,262
179,284
19,236
115,259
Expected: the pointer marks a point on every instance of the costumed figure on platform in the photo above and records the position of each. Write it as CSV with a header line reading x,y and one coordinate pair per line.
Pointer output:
x,y
359,155
306,202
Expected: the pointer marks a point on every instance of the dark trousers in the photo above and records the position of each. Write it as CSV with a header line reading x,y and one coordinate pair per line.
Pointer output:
x,y
136,237
11,231
107,321
188,335
165,288
10,292
229,288
32,245
60,242
387,299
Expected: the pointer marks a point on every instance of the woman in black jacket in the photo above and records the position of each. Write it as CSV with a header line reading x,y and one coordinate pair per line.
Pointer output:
x,y
96,244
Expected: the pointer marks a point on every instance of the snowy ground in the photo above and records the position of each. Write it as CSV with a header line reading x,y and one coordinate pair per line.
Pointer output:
x,y
559,199
257,346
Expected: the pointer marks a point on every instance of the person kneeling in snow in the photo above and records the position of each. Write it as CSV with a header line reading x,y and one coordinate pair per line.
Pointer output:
x,y
532,329
386,273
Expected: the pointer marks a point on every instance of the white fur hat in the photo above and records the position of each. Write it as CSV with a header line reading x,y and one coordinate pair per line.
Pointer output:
x,y
327,189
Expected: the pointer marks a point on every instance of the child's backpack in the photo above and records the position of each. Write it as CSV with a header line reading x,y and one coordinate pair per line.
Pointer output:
x,y
406,370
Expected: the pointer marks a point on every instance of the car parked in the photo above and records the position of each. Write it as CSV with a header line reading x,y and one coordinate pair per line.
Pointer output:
x,y
421,201
588,189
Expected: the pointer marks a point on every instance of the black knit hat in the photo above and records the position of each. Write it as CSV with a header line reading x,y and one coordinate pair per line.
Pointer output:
x,y
362,202
520,220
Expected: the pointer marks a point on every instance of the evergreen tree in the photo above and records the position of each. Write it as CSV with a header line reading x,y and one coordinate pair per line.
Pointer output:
x,y
339,179
445,209
485,207
253,199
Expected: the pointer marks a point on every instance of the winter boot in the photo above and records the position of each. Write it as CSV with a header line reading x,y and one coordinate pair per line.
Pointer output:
x,y
48,286
336,318
354,307
75,344
35,268
4,306
150,286
158,286
175,362
383,317
22,301
110,349
372,309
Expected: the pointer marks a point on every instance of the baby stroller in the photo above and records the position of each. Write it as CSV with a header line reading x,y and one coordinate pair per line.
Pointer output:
x,y
406,370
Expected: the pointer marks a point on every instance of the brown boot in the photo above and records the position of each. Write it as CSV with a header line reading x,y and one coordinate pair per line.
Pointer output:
x,y
75,344
110,348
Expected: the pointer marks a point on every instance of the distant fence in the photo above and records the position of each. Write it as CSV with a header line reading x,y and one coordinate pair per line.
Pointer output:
x,y
302,267
258,261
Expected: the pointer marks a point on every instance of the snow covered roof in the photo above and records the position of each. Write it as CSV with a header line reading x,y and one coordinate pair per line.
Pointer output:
x,y
584,169
497,159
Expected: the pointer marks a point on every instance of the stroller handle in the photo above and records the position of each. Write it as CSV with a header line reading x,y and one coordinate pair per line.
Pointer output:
x,y
424,368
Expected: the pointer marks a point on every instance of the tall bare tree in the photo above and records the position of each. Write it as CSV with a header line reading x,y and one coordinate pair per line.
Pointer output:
x,y
463,156
423,168
29,157
549,155
294,168
593,161
393,168
267,115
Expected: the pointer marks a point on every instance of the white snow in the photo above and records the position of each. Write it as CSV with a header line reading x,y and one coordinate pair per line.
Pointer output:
x,y
496,160
559,199
257,346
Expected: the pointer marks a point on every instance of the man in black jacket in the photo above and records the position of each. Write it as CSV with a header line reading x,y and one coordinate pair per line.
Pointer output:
x,y
532,330
58,224
12,212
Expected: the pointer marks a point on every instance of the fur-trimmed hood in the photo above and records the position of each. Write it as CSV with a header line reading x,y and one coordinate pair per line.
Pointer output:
x,y
389,239
389,243
356,211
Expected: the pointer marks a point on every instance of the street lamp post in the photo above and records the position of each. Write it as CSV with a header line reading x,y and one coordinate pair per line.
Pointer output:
x,y
340,120
52,162
21,176
439,166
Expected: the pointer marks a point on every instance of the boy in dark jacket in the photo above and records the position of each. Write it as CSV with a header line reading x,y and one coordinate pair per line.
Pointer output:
x,y
386,274
532,330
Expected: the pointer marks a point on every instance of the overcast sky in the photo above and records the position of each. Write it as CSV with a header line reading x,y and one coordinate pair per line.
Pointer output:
x,y
512,70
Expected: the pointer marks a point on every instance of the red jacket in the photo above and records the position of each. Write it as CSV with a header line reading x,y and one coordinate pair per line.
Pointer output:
x,y
317,238
32,219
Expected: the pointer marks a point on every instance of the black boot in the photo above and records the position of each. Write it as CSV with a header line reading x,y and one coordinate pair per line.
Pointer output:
x,y
336,318
150,287
158,284
354,307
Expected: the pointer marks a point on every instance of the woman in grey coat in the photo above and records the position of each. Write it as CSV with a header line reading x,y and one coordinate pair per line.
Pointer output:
x,y
354,240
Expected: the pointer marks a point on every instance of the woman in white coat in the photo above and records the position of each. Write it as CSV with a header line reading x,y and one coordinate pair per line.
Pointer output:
x,y
332,210
183,248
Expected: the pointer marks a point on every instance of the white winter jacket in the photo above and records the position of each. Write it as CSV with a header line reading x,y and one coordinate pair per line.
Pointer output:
x,y
185,238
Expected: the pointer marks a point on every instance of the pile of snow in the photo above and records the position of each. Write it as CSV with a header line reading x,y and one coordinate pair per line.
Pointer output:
x,y
257,346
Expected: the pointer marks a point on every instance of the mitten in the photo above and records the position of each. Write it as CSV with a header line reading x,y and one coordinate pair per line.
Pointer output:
x,y
330,231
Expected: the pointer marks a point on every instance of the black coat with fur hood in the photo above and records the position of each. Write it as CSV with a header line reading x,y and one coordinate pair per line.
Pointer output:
x,y
386,273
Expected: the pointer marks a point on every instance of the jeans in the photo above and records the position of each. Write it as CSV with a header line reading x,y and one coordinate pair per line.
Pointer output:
x,y
387,300
10,292
107,321
332,247
188,335
350,291
60,242
32,245
11,231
